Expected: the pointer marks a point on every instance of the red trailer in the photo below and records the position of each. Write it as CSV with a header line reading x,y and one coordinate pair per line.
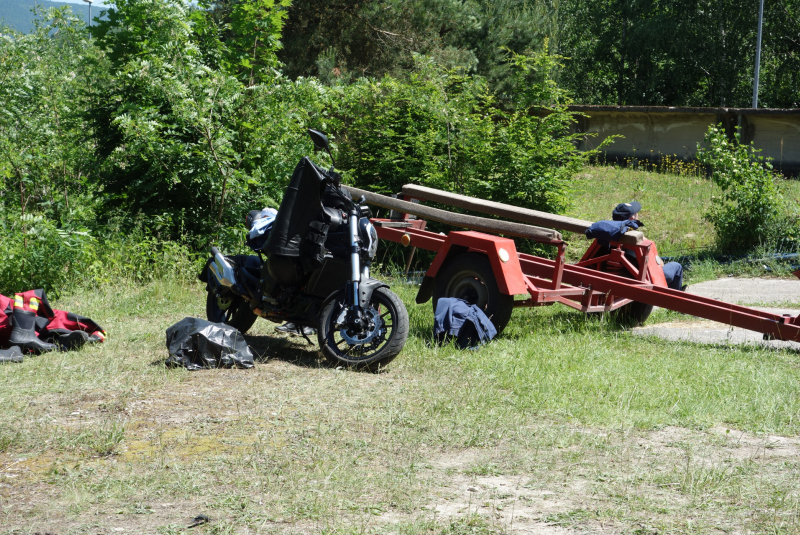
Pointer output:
x,y
487,269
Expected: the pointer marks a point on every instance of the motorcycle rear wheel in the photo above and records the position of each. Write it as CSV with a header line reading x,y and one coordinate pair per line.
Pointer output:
x,y
238,314
376,353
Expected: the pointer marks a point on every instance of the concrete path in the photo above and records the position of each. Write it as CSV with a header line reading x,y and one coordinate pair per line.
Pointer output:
x,y
762,292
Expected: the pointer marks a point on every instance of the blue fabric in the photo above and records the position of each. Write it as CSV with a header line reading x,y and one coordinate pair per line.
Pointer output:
x,y
259,234
466,323
673,272
606,231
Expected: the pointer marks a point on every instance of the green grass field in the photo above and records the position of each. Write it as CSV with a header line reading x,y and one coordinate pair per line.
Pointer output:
x,y
564,424
672,205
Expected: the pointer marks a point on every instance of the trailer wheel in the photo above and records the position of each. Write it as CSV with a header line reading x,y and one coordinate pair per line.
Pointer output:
x,y
632,314
469,276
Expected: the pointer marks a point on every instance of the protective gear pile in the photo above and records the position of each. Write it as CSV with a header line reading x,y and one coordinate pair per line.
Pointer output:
x,y
28,324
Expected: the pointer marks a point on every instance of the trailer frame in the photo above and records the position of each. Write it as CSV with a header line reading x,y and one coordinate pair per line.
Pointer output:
x,y
602,281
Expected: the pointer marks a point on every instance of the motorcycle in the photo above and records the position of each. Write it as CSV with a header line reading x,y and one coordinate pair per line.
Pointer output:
x,y
312,269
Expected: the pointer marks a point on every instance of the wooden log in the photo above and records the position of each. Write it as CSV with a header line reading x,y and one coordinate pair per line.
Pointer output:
x,y
508,211
516,213
494,226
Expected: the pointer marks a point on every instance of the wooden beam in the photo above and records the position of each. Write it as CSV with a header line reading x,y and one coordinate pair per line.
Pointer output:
x,y
516,213
494,226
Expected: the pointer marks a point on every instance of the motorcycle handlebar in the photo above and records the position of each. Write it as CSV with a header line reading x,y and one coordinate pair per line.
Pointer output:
x,y
214,251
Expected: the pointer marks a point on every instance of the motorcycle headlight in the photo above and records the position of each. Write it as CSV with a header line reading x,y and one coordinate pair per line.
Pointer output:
x,y
369,236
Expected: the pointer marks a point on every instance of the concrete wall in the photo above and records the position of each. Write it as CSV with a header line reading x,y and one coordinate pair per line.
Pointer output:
x,y
677,131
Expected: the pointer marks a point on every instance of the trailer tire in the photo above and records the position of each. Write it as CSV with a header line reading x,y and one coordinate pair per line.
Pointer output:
x,y
632,314
469,276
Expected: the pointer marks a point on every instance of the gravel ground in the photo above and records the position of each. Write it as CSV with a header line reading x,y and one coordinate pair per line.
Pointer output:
x,y
759,292
750,291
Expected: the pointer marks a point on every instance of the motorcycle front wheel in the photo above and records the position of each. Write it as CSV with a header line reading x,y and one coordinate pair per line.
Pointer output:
x,y
385,337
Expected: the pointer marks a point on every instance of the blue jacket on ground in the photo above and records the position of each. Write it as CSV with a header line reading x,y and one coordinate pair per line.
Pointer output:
x,y
467,323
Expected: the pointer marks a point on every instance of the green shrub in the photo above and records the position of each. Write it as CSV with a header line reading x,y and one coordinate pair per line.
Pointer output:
x,y
36,254
445,130
750,210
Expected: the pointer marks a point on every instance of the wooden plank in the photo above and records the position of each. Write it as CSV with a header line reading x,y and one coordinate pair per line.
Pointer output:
x,y
632,237
516,213
494,226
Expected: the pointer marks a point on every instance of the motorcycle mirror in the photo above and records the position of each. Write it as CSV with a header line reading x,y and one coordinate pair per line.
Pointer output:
x,y
321,143
320,140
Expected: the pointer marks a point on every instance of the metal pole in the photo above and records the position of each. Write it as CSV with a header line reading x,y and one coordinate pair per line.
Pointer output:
x,y
90,11
758,54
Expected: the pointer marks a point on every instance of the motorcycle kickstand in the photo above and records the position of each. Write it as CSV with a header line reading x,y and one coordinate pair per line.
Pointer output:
x,y
306,337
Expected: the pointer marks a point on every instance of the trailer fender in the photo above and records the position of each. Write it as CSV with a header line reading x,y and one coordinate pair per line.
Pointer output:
x,y
425,290
502,254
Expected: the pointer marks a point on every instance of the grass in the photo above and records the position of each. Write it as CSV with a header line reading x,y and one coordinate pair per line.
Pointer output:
x,y
673,208
564,421
563,424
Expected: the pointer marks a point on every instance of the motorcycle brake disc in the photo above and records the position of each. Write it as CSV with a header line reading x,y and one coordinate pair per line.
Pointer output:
x,y
376,323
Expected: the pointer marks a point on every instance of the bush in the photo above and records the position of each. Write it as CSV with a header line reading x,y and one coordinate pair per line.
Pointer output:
x,y
445,130
36,254
750,210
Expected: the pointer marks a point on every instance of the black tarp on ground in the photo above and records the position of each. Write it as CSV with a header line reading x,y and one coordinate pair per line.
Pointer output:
x,y
196,343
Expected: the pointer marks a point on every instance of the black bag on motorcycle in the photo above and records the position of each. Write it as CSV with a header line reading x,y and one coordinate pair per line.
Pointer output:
x,y
299,230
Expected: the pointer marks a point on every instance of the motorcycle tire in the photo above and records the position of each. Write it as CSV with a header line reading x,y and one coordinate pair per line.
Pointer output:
x,y
375,354
238,314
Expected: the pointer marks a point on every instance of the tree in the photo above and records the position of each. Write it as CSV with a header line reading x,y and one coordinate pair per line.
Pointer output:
x,y
341,39
43,149
45,154
678,52
181,139
446,130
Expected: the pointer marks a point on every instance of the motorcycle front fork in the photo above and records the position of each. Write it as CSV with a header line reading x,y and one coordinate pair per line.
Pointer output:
x,y
357,273
355,260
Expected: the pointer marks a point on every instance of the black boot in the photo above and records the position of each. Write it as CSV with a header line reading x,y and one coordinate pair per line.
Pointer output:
x,y
23,332
12,354
70,340
296,330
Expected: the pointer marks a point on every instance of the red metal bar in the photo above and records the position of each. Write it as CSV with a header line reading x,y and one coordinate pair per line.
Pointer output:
x,y
422,239
779,327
